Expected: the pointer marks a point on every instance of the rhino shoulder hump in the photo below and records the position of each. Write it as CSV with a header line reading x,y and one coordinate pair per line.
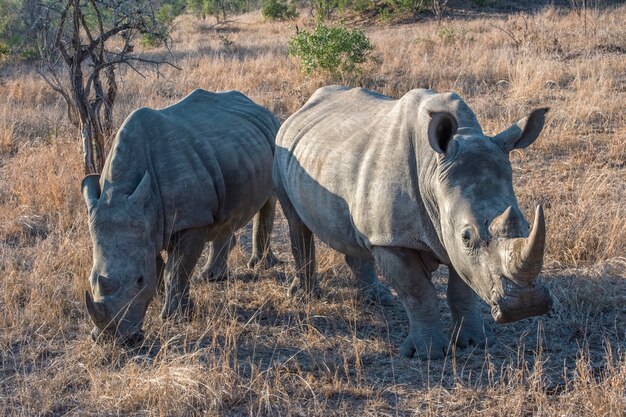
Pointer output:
x,y
139,118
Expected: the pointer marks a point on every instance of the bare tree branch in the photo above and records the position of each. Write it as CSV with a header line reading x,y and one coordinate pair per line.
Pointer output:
x,y
80,41
154,62
56,85
105,37
58,43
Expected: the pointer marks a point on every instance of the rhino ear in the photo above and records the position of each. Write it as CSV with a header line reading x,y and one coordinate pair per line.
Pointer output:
x,y
441,130
140,196
91,190
524,132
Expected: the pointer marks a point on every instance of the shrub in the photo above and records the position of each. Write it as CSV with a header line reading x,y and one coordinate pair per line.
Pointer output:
x,y
4,50
166,14
220,9
11,26
278,10
334,50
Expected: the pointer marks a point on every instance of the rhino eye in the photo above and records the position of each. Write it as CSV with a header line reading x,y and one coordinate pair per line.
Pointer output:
x,y
140,282
467,235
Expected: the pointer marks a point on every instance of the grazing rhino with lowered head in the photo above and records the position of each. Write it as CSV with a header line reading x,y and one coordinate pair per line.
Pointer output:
x,y
406,185
176,178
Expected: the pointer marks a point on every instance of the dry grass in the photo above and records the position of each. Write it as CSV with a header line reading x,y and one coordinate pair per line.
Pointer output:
x,y
250,350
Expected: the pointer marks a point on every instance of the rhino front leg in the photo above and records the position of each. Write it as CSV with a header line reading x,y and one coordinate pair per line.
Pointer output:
x,y
216,267
364,272
261,231
404,269
182,256
468,327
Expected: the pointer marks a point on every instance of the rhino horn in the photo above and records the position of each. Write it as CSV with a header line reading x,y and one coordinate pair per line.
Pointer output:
x,y
97,311
525,255
504,222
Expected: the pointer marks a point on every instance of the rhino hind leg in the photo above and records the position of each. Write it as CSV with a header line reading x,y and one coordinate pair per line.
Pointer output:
x,y
305,284
262,255
216,267
405,271
364,271
183,254
468,327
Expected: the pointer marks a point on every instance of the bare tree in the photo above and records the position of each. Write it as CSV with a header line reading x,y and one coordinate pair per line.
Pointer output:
x,y
439,8
91,39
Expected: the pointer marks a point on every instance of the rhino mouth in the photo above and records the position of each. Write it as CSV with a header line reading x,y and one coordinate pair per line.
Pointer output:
x,y
129,339
512,302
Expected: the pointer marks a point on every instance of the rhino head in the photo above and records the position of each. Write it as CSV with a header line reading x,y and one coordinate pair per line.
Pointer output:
x,y
123,276
483,230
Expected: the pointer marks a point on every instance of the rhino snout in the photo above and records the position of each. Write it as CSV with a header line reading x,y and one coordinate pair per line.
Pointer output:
x,y
511,302
130,339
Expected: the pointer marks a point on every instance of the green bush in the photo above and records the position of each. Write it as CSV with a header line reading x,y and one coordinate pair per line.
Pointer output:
x,y
196,7
166,14
334,50
221,9
12,27
4,50
278,10
384,10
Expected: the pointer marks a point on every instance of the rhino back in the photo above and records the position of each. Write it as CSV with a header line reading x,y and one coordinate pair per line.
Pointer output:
x,y
210,156
350,168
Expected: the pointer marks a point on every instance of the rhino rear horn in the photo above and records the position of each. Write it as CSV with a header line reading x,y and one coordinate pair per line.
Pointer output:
x,y
524,132
91,190
441,130
505,224
139,197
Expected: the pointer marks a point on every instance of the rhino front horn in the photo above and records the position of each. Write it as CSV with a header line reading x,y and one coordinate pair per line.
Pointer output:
x,y
96,311
525,255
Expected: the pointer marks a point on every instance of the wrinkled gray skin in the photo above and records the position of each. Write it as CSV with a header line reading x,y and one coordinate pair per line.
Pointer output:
x,y
176,178
406,185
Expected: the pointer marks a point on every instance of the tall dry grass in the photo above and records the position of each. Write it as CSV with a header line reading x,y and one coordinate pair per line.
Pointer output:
x,y
250,350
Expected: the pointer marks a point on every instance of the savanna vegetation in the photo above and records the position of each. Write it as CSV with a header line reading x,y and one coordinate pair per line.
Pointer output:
x,y
251,350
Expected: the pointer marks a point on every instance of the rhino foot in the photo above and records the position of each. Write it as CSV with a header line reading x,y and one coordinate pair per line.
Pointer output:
x,y
183,311
476,333
263,262
300,291
377,293
435,347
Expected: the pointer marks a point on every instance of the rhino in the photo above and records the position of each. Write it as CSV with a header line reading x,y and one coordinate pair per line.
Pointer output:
x,y
403,186
175,178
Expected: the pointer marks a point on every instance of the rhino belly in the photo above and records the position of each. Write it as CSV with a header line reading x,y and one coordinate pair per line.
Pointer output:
x,y
245,192
325,213
223,228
